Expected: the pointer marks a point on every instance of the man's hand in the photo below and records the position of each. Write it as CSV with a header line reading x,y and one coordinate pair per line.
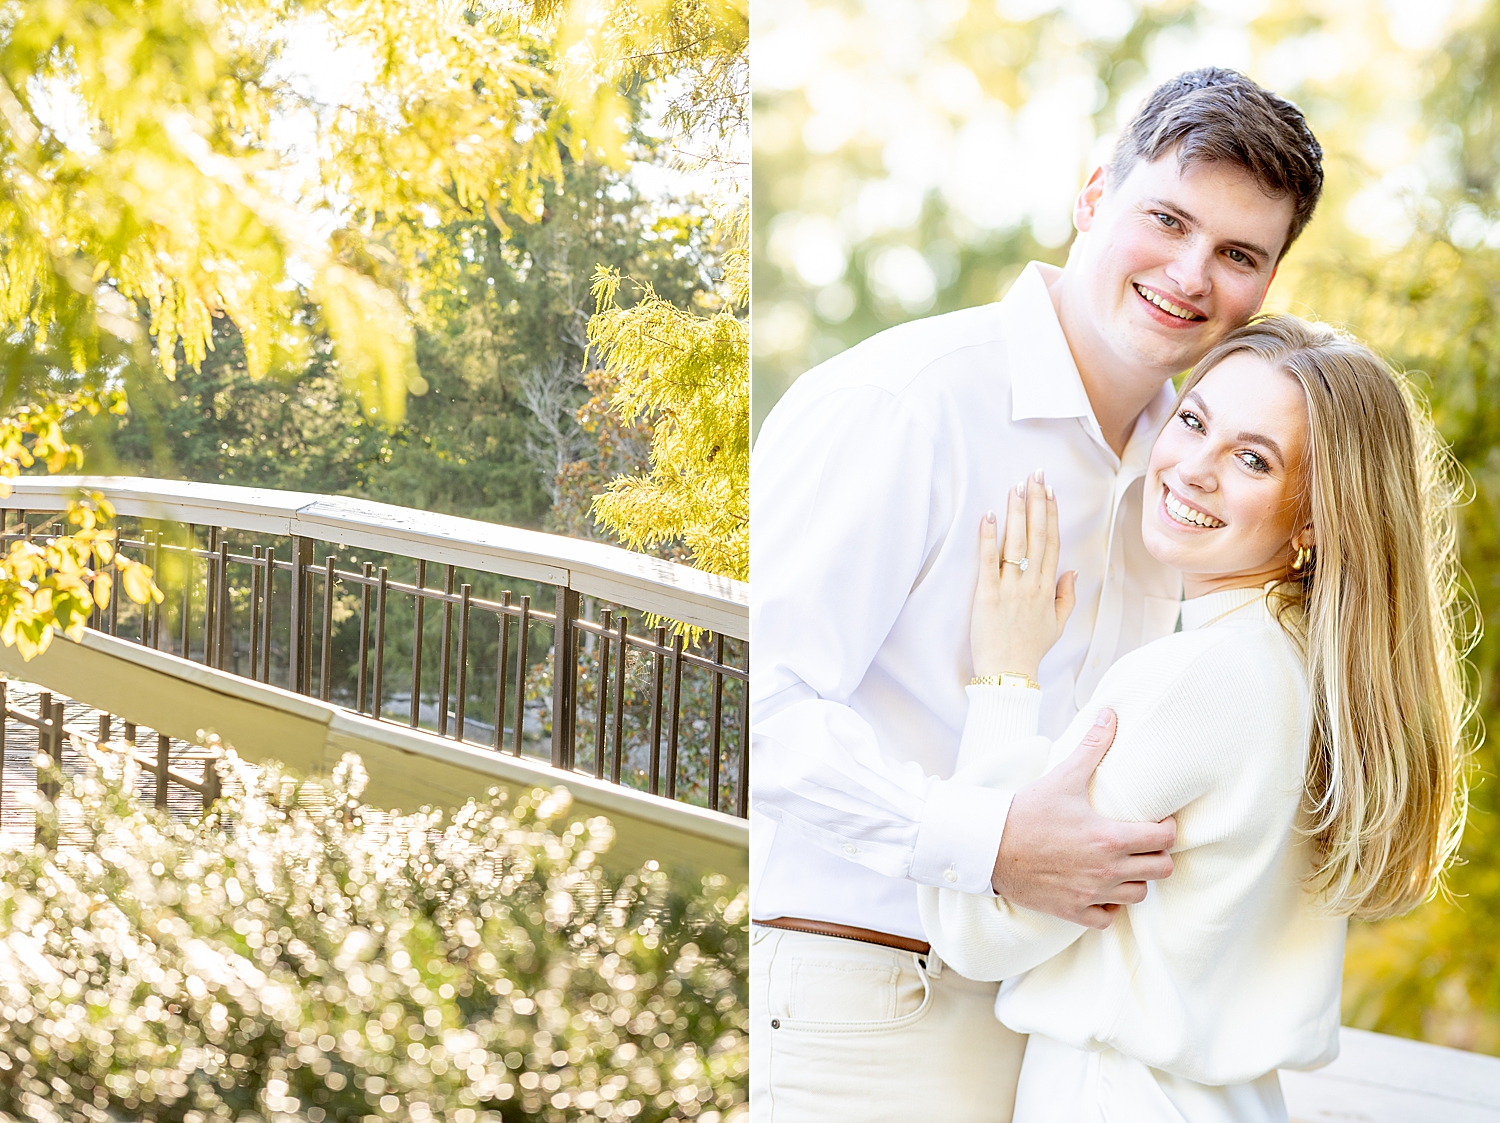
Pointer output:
x,y
1058,856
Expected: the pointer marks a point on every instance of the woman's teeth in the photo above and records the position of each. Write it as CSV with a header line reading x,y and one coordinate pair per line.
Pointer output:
x,y
1185,514
1166,305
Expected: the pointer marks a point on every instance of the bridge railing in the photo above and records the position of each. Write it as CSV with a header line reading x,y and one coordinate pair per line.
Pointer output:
x,y
596,660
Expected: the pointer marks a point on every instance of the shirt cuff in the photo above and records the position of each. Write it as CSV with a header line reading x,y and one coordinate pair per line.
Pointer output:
x,y
958,838
997,714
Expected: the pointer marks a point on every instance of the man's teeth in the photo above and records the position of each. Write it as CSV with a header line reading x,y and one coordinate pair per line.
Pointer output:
x,y
1185,514
1166,305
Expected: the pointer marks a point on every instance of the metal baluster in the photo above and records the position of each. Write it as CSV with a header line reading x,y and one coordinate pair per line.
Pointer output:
x,y
307,620
299,677
156,611
672,721
163,760
258,553
187,594
522,642
447,661
223,634
364,639
416,645
605,619
104,731
211,580
564,677
716,725
95,613
463,660
146,609
502,664
380,642
618,752
658,668
265,639
325,668
114,605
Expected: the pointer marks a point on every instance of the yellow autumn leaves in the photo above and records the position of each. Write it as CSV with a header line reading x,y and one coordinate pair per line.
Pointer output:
x,y
55,584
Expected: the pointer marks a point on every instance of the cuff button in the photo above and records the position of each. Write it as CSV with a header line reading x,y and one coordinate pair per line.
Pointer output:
x,y
950,874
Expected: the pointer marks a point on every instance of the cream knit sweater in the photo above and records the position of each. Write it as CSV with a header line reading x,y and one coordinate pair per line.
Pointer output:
x,y
1227,970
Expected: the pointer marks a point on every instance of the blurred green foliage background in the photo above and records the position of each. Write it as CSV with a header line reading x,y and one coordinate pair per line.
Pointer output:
x,y
911,157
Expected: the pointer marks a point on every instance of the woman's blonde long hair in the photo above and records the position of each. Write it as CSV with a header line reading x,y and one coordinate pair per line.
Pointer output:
x,y
1377,614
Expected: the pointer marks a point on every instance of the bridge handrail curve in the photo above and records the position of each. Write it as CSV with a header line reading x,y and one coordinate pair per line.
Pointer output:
x,y
598,569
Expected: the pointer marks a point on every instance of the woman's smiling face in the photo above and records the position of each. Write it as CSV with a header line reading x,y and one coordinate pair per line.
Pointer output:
x,y
1224,489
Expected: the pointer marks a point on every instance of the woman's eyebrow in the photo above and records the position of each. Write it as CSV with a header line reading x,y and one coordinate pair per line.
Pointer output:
x,y
1262,439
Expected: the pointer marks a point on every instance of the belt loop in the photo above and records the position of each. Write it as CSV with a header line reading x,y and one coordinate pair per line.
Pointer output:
x,y
931,963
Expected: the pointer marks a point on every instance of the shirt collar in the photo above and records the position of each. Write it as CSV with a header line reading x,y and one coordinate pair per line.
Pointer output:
x,y
1044,380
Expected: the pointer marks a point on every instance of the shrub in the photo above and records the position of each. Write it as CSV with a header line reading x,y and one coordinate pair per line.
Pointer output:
x,y
295,955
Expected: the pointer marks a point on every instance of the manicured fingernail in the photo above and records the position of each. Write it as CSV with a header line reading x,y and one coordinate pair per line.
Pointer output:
x,y
1103,718
1049,491
989,517
1021,489
1038,475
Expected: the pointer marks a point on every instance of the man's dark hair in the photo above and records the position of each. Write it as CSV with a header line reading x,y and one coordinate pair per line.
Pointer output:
x,y
1220,116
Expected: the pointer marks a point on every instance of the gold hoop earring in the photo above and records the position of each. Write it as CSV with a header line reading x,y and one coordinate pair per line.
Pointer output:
x,y
1304,559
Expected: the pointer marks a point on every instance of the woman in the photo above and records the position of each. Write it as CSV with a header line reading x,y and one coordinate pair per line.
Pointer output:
x,y
1304,727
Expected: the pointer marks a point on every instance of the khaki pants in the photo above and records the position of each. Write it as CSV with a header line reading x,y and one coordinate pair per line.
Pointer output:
x,y
841,1030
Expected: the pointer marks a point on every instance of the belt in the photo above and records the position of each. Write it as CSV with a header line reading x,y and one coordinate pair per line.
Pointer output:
x,y
847,932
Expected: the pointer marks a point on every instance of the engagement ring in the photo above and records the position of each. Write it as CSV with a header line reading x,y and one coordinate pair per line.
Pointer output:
x,y
1021,565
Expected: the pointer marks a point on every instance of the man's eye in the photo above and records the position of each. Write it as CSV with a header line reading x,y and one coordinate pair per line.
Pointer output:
x,y
1191,421
1168,221
1239,259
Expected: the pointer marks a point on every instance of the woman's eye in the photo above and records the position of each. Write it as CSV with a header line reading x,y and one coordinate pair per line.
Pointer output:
x,y
1191,421
1254,462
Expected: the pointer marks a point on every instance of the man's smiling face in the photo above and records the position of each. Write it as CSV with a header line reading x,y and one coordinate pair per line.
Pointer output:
x,y
1174,258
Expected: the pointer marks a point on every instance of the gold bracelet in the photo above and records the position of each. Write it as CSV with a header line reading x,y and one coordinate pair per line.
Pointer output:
x,y
1005,678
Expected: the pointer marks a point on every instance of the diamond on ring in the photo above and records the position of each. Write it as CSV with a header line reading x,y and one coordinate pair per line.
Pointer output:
x,y
1022,564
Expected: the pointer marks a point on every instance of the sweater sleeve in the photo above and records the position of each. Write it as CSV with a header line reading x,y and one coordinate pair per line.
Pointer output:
x,y
980,936
1155,766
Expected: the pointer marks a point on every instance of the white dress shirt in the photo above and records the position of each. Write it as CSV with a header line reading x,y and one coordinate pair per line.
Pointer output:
x,y
869,479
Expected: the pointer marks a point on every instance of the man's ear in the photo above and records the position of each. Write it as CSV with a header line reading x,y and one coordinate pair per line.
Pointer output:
x,y
1087,203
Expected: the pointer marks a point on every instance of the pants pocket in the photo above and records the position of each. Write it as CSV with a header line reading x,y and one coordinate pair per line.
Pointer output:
x,y
854,997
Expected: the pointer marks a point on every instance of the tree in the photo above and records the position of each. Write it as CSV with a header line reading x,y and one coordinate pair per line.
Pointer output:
x,y
683,371
167,165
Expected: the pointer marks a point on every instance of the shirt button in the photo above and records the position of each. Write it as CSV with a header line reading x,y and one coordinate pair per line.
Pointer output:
x,y
850,848
950,874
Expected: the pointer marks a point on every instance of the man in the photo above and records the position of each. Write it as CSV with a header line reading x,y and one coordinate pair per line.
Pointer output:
x,y
870,479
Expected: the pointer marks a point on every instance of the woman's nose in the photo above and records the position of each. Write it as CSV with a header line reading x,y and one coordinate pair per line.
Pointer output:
x,y
1197,472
